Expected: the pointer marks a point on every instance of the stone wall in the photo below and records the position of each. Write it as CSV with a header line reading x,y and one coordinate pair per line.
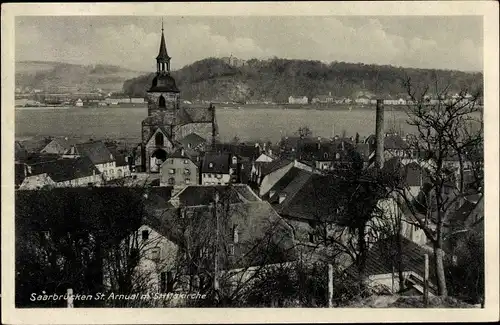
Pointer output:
x,y
172,101
203,129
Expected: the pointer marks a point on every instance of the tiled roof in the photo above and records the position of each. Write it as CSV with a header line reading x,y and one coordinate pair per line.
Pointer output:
x,y
66,169
382,256
258,225
242,150
272,166
192,141
310,198
204,195
284,182
119,157
220,163
96,151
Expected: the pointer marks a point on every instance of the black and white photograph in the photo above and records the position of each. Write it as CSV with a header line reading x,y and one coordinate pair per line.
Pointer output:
x,y
324,161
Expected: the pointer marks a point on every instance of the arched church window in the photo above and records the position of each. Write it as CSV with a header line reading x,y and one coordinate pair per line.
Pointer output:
x,y
159,141
162,103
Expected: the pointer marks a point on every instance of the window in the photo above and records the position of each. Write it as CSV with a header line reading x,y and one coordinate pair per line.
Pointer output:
x,y
159,141
188,181
210,165
189,145
311,237
325,155
231,250
155,253
145,234
161,102
219,176
235,234
171,171
186,161
209,175
235,160
171,180
187,171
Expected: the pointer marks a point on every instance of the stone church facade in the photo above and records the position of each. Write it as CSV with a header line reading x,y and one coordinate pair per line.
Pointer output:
x,y
167,121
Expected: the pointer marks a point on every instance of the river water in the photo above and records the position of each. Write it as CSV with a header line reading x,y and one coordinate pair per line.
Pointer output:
x,y
247,123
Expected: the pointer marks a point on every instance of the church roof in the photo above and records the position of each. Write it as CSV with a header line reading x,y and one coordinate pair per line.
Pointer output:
x,y
162,54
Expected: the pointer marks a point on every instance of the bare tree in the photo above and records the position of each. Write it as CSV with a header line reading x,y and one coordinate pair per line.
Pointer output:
x,y
443,132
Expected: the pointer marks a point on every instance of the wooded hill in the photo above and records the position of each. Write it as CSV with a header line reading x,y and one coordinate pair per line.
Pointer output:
x,y
47,75
277,79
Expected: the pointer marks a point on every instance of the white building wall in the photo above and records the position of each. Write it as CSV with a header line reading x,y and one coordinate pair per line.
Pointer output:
x,y
212,179
272,178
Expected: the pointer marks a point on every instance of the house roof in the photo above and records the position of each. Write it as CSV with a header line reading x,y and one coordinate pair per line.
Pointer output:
x,y
192,141
391,142
66,169
267,168
382,256
310,197
258,226
65,143
96,151
241,149
204,195
216,163
119,157
283,184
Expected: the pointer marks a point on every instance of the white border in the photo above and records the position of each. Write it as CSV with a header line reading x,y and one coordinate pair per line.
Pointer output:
x,y
487,9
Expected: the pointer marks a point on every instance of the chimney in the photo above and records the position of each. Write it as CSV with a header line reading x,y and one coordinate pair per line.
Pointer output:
x,y
379,134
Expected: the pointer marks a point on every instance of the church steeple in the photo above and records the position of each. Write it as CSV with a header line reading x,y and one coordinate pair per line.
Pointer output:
x,y
163,60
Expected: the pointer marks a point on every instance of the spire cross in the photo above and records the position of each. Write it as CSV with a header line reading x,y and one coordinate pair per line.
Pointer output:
x,y
162,24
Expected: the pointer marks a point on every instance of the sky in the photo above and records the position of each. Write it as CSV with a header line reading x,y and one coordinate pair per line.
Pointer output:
x,y
438,42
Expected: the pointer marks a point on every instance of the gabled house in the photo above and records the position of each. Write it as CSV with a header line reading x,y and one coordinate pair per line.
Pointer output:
x,y
75,172
172,241
58,146
193,143
179,170
99,154
219,169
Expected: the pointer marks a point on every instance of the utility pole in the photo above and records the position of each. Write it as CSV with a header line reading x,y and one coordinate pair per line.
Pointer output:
x,y
330,285
216,250
426,280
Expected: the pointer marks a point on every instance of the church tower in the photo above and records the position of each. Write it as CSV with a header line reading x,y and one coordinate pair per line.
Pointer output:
x,y
163,96
163,99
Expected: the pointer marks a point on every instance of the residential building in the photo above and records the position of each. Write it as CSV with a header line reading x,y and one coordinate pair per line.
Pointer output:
x,y
99,155
219,169
58,146
298,100
75,172
245,232
179,170
323,99
79,102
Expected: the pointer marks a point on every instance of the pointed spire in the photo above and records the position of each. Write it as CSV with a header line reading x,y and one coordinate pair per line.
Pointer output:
x,y
162,55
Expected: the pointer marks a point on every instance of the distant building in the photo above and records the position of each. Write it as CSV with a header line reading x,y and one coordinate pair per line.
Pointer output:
x,y
323,99
298,100
362,100
79,102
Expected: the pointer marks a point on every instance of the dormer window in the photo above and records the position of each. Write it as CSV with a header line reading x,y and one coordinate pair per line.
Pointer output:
x,y
235,160
210,165
145,235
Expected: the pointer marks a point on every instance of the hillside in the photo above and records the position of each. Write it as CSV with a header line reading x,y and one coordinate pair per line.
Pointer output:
x,y
47,75
277,79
